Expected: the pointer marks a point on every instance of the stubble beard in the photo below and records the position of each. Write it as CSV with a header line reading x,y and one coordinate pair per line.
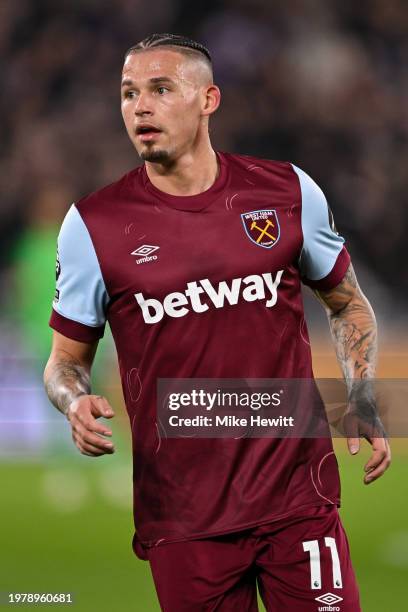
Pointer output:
x,y
160,156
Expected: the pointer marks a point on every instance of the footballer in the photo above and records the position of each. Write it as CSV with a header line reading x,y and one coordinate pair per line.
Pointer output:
x,y
196,260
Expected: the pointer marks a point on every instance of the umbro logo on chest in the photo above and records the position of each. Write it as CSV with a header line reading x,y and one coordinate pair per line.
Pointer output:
x,y
145,253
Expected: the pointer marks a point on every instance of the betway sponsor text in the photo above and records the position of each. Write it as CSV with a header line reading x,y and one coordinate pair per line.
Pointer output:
x,y
250,288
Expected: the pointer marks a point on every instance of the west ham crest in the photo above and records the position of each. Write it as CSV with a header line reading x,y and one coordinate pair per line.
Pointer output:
x,y
262,227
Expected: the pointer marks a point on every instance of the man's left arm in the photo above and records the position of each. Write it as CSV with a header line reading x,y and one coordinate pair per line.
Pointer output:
x,y
354,332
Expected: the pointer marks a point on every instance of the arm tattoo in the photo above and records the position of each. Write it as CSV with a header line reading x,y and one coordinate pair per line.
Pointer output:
x,y
353,328
65,380
354,331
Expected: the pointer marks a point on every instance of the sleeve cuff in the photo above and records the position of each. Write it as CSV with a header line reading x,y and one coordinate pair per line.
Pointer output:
x,y
335,276
74,330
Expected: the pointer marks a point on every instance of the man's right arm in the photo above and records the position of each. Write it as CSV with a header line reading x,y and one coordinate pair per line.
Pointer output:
x,y
67,383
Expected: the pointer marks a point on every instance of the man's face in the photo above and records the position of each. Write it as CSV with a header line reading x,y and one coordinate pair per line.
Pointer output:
x,y
163,96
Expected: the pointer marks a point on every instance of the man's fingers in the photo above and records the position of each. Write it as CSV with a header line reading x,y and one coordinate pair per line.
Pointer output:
x,y
92,451
378,454
89,424
353,445
94,425
101,407
87,432
87,420
85,451
83,436
95,450
378,471
379,461
98,441
351,431
87,448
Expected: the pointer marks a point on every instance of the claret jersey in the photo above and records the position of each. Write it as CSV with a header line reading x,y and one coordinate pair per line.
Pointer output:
x,y
205,286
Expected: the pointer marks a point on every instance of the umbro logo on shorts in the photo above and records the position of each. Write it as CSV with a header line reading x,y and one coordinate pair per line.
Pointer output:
x,y
329,600
176,304
145,253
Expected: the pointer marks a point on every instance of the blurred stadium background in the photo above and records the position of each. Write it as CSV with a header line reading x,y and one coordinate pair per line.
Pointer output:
x,y
321,83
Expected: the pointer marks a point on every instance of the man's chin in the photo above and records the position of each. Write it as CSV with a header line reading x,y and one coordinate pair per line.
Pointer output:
x,y
160,156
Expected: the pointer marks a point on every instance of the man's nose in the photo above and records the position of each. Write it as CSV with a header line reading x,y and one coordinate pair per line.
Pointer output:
x,y
143,106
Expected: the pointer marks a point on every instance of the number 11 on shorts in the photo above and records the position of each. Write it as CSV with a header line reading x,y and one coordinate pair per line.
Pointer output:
x,y
312,547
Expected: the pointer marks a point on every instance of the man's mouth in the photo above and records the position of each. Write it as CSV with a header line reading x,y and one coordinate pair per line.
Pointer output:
x,y
147,132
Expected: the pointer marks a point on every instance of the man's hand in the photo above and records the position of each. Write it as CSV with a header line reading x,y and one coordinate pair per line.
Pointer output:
x,y
379,461
67,382
357,426
87,433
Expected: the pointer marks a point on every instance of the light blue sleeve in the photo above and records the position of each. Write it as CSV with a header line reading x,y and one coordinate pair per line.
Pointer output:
x,y
80,290
321,242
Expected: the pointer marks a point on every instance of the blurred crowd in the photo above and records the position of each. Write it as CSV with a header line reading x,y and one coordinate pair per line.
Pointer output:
x,y
321,83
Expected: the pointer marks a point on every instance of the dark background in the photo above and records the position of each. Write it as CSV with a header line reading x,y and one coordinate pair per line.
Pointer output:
x,y
321,83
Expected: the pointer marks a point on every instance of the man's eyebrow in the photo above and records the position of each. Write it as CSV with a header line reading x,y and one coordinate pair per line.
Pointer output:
x,y
160,79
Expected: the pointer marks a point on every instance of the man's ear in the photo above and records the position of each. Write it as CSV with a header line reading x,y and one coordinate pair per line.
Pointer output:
x,y
212,99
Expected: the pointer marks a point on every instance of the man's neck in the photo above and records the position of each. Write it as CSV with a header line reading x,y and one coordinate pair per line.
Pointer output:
x,y
191,174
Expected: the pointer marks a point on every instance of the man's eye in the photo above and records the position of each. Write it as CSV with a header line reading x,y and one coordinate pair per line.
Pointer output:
x,y
130,94
162,90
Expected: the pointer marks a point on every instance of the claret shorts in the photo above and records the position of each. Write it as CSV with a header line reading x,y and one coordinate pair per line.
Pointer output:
x,y
300,563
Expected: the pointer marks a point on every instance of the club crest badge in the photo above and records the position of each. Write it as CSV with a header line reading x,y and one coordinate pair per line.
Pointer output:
x,y
262,227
